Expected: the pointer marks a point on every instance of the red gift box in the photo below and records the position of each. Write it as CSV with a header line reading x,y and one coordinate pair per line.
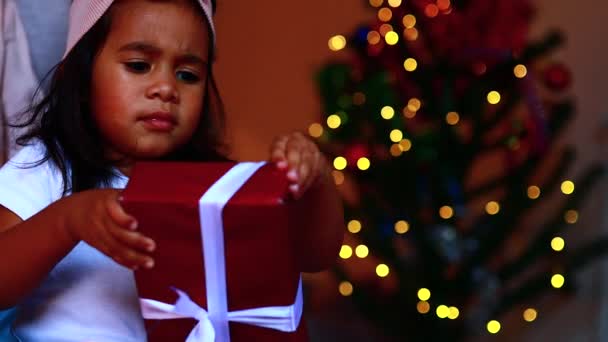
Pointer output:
x,y
260,265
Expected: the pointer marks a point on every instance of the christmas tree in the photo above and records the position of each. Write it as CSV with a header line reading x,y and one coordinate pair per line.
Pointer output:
x,y
441,125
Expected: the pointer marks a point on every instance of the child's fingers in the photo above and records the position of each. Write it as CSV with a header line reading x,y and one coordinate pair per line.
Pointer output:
x,y
119,216
134,240
125,254
277,151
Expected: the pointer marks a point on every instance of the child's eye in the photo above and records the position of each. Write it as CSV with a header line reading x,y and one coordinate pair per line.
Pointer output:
x,y
138,67
186,76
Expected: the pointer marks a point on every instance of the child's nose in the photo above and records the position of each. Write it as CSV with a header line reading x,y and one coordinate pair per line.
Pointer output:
x,y
164,87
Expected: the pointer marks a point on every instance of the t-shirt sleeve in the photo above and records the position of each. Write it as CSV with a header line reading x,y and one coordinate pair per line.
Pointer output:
x,y
26,187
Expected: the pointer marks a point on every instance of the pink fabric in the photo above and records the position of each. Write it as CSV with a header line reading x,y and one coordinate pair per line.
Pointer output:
x,y
85,13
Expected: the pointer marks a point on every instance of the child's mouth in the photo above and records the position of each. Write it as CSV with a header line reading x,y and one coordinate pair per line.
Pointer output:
x,y
160,121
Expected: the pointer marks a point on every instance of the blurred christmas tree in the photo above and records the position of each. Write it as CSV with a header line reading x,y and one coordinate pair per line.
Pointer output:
x,y
442,126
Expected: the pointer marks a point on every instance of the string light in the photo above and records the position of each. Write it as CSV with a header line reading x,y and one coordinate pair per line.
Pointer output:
x,y
391,38
385,28
354,226
493,97
558,244
394,3
385,14
557,281
363,163
338,177
376,3
396,150
530,315
423,307
567,187
361,251
346,252
431,10
410,33
520,71
396,135
442,311
345,288
492,208
382,270
446,212
333,121
401,227
373,37
387,112
340,163
533,192
337,42
452,118
453,312
410,64
315,130
443,5
571,216
414,104
409,21
408,113
424,294
493,326
405,145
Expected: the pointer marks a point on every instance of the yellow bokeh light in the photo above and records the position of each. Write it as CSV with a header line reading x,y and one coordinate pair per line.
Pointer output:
x,y
452,118
567,187
446,212
387,112
423,307
405,145
338,177
391,38
396,150
453,313
334,121
315,130
431,10
337,42
414,104
385,14
493,326
396,135
382,270
346,252
361,251
340,163
493,97
530,314
533,192
409,21
442,311
557,280
354,226
443,4
558,244
376,3
401,227
520,71
363,163
571,216
410,64
410,33
345,288
373,37
394,3
424,294
492,208
385,28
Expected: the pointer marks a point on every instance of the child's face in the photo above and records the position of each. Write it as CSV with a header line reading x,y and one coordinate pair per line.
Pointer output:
x,y
149,77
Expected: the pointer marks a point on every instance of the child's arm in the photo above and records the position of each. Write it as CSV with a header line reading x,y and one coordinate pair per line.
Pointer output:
x,y
321,233
30,249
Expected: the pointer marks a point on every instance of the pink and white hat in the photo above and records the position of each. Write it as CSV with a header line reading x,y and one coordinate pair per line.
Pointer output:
x,y
85,13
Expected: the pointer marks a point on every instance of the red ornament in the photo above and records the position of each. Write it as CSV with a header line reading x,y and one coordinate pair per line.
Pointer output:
x,y
557,77
356,151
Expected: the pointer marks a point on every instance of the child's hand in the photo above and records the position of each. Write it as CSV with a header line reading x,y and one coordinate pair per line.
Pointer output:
x,y
302,158
96,217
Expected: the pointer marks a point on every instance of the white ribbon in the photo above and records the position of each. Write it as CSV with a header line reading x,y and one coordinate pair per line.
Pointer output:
x,y
212,325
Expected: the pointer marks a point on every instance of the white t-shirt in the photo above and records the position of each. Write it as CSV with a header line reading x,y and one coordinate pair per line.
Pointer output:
x,y
87,296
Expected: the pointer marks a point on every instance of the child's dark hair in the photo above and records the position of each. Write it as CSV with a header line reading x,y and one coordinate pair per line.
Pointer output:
x,y
63,122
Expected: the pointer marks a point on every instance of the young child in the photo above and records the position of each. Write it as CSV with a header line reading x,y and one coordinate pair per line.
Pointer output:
x,y
135,83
